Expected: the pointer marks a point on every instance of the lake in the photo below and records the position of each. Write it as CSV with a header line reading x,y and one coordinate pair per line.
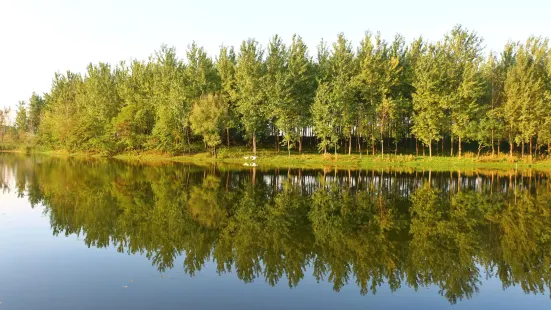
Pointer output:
x,y
103,234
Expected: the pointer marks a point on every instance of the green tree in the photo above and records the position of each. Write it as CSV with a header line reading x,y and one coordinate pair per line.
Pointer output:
x,y
464,83
250,98
277,87
4,118
100,103
226,66
301,78
59,128
325,118
494,74
343,69
169,99
206,120
526,105
36,106
134,124
378,78
427,99
21,118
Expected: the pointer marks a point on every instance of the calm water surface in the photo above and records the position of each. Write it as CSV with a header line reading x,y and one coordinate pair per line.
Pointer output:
x,y
98,234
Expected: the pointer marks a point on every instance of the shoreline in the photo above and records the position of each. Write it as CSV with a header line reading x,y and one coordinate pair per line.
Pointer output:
x,y
272,159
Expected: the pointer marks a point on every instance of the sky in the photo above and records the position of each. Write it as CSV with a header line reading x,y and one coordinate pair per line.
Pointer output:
x,y
39,38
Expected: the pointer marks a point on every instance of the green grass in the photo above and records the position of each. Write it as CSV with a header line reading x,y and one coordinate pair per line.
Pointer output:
x,y
267,158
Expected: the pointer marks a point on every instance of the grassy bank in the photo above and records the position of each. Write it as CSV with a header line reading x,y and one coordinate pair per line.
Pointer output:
x,y
271,159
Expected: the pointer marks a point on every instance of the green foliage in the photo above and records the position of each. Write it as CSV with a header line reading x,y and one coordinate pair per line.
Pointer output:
x,y
428,114
325,118
134,125
375,96
363,228
169,100
36,107
302,84
250,97
21,124
4,120
226,66
206,119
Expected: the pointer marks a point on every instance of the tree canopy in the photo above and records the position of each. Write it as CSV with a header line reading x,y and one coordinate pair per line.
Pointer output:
x,y
346,99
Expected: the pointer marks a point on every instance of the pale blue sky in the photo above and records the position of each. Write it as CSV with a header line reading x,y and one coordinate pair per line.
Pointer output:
x,y
38,38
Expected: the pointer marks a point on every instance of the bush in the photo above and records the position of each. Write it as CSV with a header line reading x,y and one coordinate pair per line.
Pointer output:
x,y
469,155
223,152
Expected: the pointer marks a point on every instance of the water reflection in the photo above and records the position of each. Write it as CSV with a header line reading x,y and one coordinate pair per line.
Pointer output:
x,y
451,230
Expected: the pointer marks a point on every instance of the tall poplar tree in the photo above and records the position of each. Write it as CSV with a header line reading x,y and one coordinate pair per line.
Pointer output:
x,y
464,82
4,118
343,70
525,92
36,106
250,98
169,98
378,79
206,120
278,89
21,117
301,79
134,124
429,81
325,118
226,66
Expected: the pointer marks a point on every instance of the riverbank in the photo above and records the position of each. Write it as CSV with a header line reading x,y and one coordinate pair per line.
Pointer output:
x,y
271,159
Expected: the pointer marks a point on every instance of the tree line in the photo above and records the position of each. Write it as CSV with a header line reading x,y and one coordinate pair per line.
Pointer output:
x,y
379,98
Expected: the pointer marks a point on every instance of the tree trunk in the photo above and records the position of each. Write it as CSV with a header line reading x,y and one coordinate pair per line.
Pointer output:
x,y
254,144
382,147
350,145
300,144
360,145
325,149
522,150
289,148
228,136
451,145
277,141
423,145
498,147
430,150
459,146
443,142
548,148
510,145
416,147
188,138
530,147
227,180
493,150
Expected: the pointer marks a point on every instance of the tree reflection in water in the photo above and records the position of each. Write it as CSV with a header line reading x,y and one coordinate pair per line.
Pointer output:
x,y
445,229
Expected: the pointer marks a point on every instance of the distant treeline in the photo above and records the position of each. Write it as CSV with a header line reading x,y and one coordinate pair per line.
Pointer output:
x,y
381,95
